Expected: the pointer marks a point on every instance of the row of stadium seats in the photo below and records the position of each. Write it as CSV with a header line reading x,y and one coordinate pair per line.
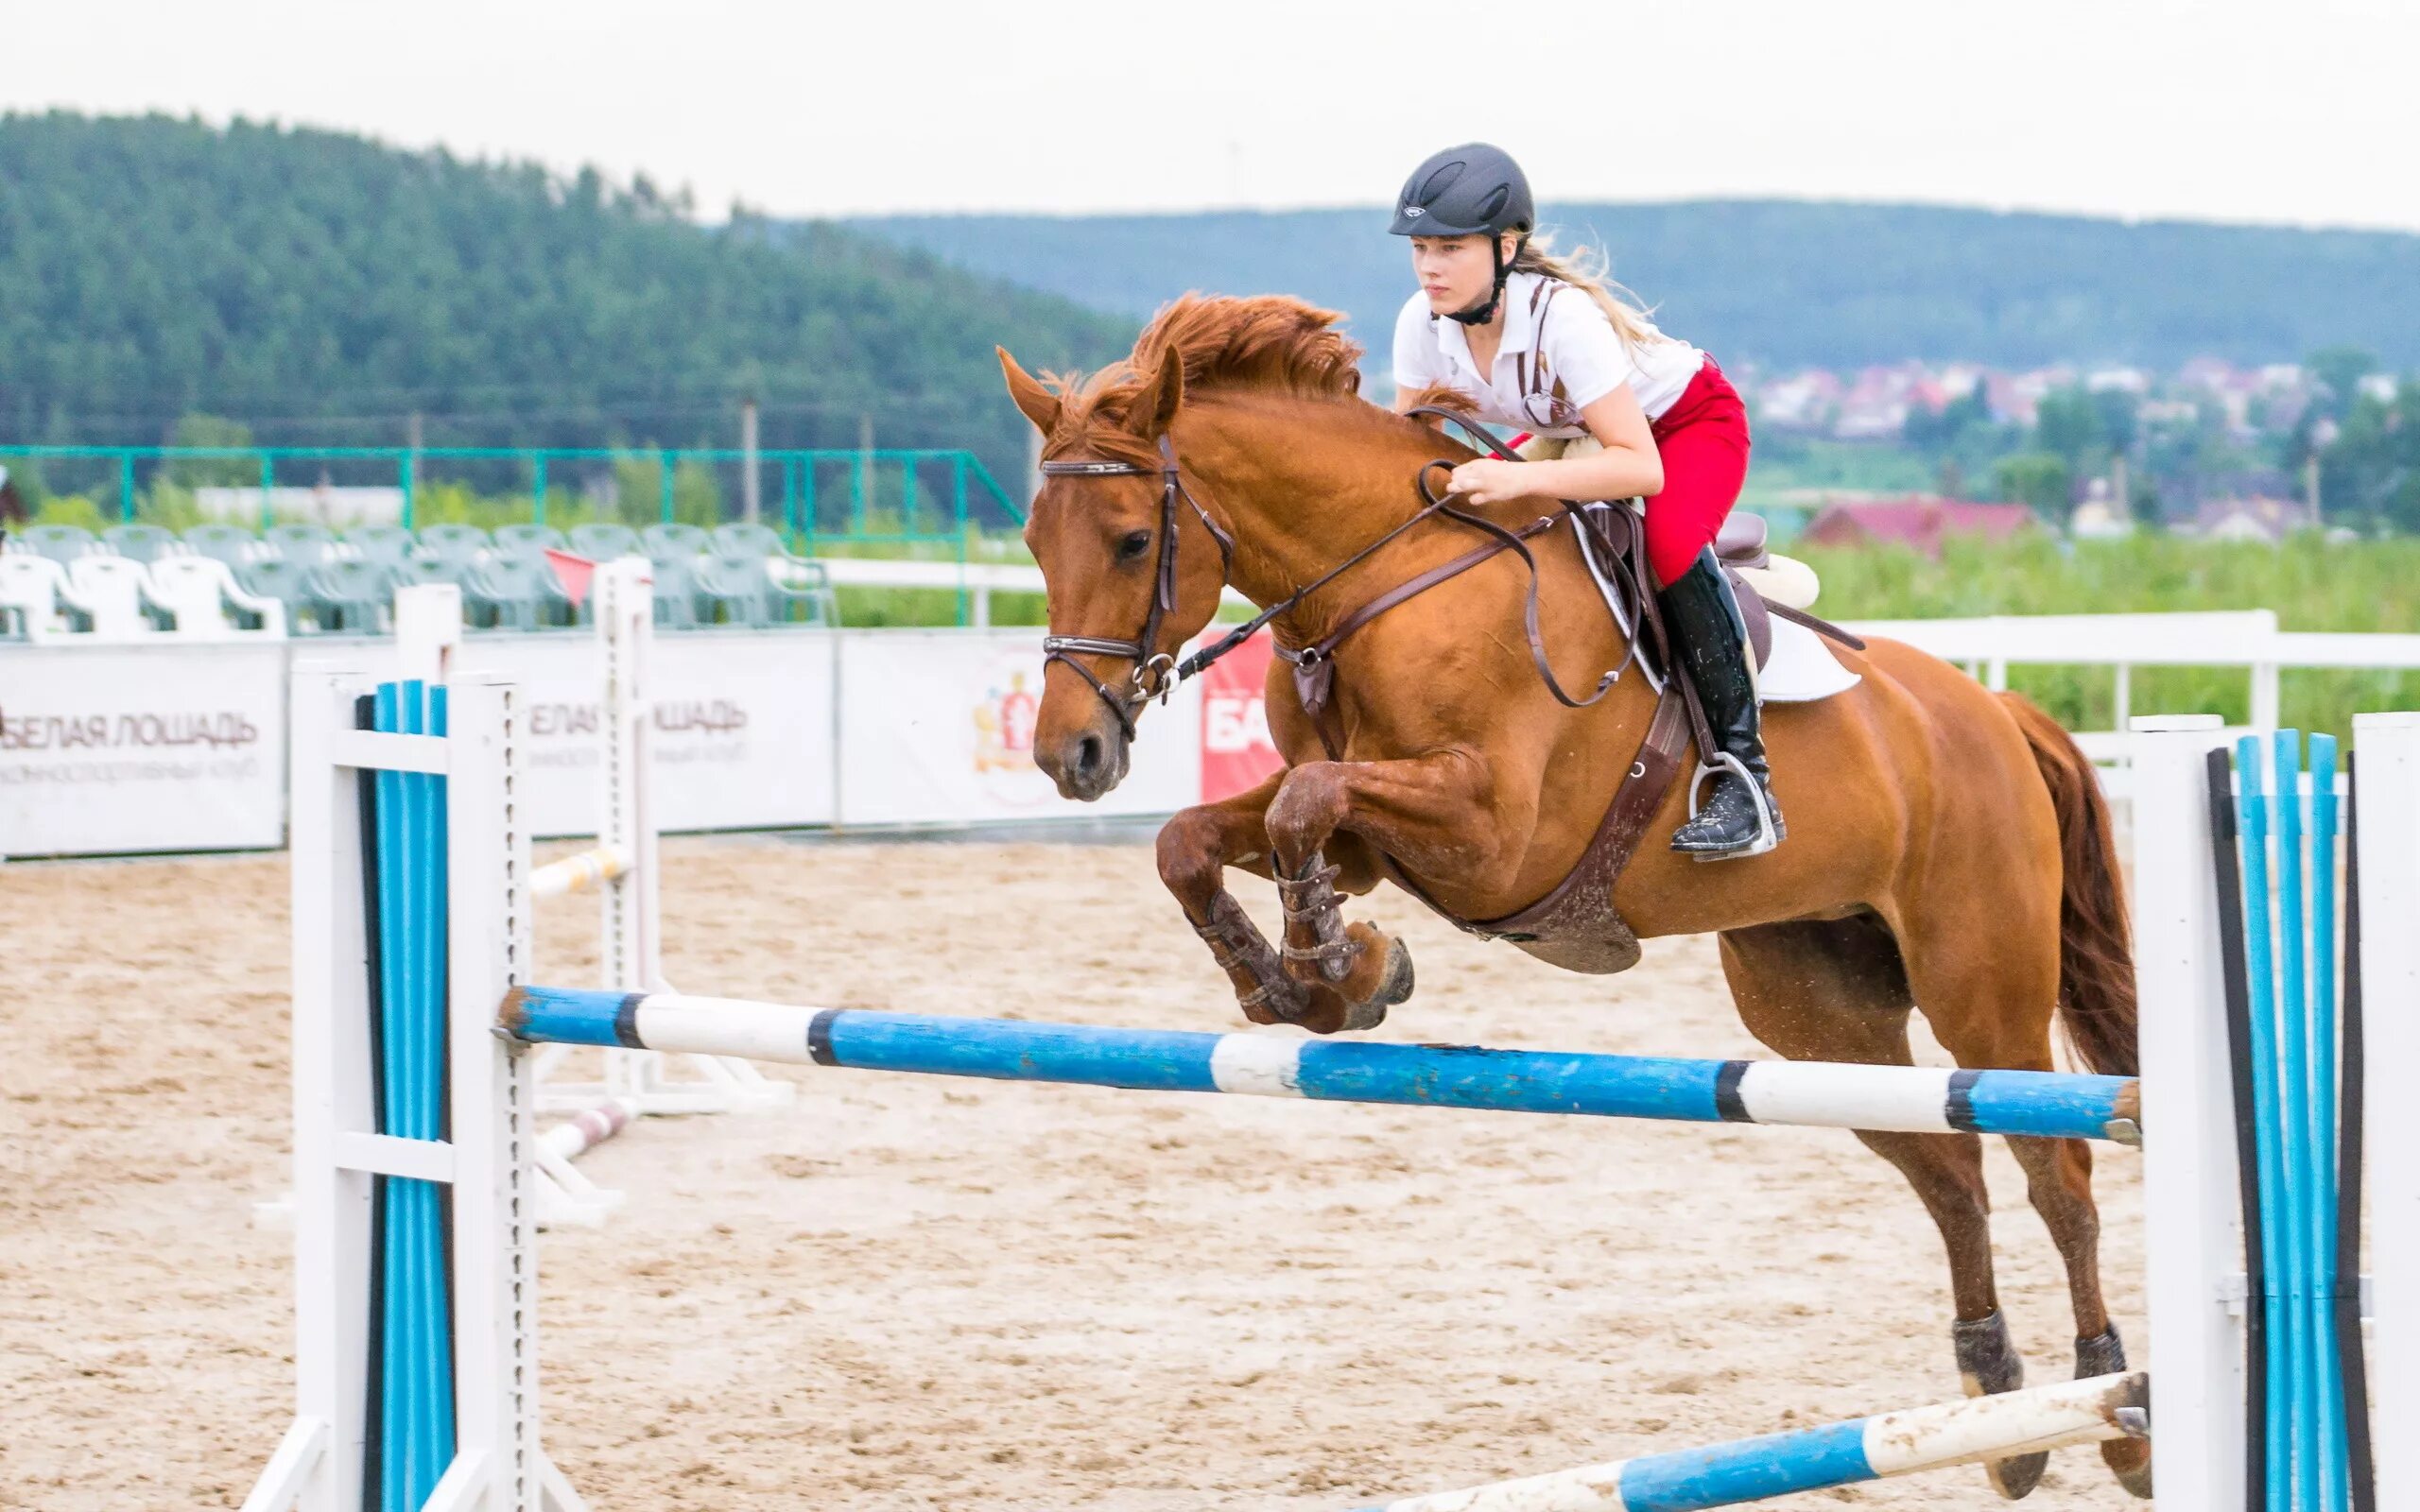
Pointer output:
x,y
321,583
313,544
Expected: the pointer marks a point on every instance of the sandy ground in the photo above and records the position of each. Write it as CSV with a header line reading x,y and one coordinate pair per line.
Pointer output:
x,y
920,1296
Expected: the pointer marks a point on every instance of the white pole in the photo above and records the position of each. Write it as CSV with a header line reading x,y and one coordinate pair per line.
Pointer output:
x,y
2387,772
428,631
2191,1212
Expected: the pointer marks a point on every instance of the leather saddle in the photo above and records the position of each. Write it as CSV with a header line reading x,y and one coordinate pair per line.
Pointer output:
x,y
1610,532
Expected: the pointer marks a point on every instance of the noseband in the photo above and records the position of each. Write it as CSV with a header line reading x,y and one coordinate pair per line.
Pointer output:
x,y
1156,673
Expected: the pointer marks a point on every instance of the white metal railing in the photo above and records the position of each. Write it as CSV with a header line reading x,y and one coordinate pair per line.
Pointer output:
x,y
978,580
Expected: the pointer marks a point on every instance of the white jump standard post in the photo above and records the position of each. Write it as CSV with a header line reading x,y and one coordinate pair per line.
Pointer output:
x,y
623,868
339,1155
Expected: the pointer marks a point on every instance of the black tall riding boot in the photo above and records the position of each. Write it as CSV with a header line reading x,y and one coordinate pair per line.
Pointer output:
x,y
1711,645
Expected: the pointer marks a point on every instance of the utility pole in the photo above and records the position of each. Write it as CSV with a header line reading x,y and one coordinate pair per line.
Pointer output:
x,y
752,499
412,442
859,499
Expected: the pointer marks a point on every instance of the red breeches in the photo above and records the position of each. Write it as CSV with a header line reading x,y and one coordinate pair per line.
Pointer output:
x,y
1704,441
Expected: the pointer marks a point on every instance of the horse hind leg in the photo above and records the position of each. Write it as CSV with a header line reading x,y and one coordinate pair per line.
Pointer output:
x,y
2058,1178
1838,991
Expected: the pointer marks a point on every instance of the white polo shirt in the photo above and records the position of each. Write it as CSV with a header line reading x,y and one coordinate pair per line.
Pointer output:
x,y
1584,356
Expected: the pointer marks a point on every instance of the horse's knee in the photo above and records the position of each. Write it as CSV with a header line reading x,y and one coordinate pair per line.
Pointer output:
x,y
1191,851
1309,804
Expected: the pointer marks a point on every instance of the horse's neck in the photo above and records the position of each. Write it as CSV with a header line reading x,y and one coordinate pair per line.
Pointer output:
x,y
1299,497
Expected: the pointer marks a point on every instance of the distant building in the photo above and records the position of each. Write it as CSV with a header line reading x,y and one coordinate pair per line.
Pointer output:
x,y
2098,518
2258,518
1922,523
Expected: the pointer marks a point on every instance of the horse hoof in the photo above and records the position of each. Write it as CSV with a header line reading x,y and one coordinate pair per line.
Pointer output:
x,y
1394,987
1988,1361
2129,1459
2017,1476
2131,1462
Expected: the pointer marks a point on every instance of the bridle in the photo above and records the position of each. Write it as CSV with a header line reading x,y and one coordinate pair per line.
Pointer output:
x,y
1156,673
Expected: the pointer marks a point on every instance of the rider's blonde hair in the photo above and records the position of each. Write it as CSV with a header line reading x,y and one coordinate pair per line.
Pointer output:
x,y
1586,269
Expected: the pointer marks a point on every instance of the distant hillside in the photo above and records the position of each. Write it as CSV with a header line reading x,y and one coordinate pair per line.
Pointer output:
x,y
321,287
1786,284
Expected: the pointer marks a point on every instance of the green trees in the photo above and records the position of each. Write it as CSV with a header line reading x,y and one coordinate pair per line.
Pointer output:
x,y
321,288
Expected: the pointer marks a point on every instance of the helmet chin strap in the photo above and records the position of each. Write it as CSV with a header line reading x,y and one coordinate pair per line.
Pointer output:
x,y
1484,311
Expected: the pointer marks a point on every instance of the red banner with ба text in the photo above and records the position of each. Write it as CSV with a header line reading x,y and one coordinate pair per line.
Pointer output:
x,y
1236,751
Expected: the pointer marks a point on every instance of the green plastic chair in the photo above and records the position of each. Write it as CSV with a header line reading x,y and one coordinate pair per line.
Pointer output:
x,y
528,540
60,543
232,544
676,593
307,544
143,543
605,542
353,596
675,540
461,543
733,593
509,592
746,542
289,583
425,569
390,544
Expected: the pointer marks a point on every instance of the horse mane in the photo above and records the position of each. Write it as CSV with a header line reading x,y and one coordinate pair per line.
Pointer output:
x,y
1268,343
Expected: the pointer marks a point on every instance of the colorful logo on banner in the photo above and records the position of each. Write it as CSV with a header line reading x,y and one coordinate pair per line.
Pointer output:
x,y
1004,719
1236,751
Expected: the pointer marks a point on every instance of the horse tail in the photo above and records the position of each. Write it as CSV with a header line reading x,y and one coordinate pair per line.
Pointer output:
x,y
2095,952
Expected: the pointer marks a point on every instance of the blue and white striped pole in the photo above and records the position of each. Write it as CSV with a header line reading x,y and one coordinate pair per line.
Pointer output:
x,y
1886,1098
1869,1448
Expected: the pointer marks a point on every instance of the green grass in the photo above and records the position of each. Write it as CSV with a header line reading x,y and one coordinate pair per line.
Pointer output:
x,y
2311,585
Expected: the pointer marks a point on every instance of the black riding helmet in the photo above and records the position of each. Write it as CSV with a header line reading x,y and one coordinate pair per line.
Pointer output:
x,y
1471,190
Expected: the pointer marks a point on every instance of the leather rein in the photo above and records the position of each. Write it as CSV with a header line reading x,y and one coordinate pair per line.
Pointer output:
x,y
1156,673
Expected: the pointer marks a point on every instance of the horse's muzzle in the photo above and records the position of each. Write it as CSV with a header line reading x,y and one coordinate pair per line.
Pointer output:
x,y
1086,764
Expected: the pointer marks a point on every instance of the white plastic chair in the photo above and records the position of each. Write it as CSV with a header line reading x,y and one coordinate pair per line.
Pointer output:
x,y
32,591
198,589
109,592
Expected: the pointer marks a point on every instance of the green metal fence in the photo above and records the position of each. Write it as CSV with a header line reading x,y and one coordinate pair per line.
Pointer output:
x,y
886,495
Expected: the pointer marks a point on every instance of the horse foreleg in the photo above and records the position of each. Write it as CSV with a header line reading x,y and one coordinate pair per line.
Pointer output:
x,y
1429,812
1196,846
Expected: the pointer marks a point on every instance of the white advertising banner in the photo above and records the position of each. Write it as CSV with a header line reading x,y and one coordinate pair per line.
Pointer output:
x,y
743,726
937,728
116,750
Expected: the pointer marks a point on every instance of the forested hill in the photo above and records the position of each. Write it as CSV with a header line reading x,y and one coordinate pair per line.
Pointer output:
x,y
321,287
1784,283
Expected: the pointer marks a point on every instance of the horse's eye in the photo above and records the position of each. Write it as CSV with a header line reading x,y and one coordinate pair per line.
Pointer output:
x,y
1134,545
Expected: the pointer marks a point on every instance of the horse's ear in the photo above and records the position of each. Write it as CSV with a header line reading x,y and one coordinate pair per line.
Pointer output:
x,y
1154,405
1039,404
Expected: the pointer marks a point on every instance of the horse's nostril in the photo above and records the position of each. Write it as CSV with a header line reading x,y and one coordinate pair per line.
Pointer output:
x,y
1088,755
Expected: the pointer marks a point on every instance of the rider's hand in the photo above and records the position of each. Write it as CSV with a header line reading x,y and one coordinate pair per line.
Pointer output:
x,y
1487,480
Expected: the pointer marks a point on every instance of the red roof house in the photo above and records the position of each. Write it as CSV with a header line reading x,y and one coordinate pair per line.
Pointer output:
x,y
1918,522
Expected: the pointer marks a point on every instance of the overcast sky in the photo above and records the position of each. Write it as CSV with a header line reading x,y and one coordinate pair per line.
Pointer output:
x,y
2224,109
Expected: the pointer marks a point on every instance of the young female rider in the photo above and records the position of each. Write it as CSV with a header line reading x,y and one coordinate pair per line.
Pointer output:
x,y
1539,343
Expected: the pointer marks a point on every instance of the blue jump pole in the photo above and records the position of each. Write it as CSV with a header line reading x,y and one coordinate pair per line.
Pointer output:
x,y
1867,1448
1890,1098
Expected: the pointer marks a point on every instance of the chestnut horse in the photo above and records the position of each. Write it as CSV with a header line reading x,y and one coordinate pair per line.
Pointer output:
x,y
1948,846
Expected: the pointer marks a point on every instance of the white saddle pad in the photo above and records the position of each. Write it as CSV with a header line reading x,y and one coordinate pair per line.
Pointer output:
x,y
1801,667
